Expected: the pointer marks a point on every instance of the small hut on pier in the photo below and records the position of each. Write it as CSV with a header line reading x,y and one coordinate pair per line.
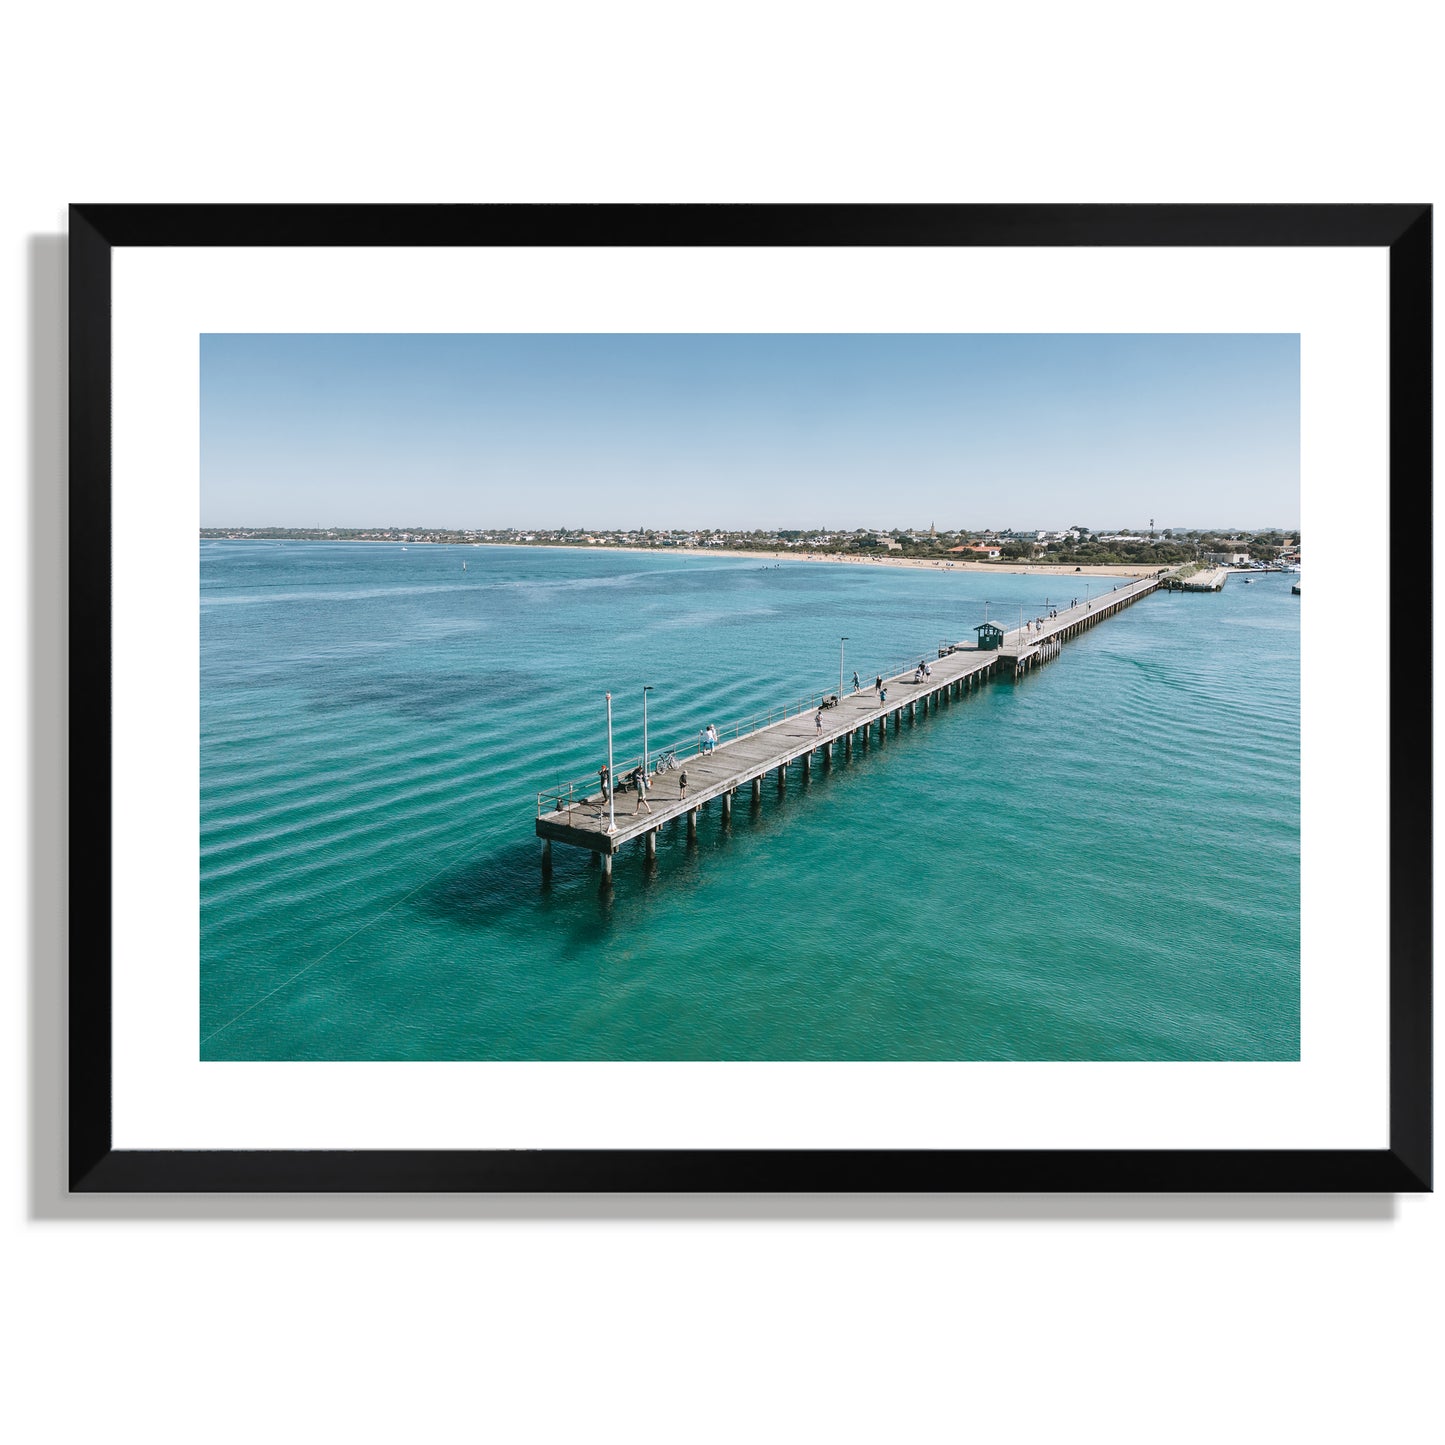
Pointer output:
x,y
990,636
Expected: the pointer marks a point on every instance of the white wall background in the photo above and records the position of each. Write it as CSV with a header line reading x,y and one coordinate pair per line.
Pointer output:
x,y
674,1319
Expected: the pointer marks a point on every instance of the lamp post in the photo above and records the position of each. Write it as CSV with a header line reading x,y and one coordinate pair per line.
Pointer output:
x,y
611,780
841,641
646,767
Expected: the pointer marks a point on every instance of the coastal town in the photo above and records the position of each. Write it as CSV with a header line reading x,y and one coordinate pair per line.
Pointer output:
x,y
1070,546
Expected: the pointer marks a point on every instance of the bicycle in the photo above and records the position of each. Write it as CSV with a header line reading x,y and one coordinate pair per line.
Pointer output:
x,y
666,762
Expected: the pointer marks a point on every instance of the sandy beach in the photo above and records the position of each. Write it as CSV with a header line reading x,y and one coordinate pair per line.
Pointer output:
x,y
793,555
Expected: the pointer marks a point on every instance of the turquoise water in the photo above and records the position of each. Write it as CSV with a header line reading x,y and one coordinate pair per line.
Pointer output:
x,y
1098,862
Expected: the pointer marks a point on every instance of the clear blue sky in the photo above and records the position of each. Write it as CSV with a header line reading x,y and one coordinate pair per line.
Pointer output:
x,y
750,430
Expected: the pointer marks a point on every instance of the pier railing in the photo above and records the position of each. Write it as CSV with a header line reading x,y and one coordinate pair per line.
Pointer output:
x,y
581,790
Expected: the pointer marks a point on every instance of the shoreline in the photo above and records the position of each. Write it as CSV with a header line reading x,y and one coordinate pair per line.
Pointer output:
x,y
916,562
930,564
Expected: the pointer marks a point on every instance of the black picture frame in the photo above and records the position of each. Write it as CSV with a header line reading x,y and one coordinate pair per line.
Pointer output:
x,y
94,1165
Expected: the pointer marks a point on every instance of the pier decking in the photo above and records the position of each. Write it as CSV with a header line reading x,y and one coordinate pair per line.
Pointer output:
x,y
581,818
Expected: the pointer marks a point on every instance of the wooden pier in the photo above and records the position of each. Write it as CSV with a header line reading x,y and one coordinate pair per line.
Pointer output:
x,y
579,815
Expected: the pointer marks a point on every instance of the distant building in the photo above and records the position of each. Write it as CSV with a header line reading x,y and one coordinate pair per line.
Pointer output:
x,y
1228,559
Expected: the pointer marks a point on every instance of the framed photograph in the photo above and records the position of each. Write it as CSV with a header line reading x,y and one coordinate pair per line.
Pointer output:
x,y
750,698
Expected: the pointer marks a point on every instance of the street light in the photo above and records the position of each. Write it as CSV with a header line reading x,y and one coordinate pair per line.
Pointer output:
x,y
611,780
841,641
646,770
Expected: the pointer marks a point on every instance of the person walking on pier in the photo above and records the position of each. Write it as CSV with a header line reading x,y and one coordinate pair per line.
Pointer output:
x,y
710,737
878,684
681,785
639,777
856,684
818,721
605,779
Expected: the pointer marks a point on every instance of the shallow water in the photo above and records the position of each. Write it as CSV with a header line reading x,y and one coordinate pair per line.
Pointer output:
x,y
1098,862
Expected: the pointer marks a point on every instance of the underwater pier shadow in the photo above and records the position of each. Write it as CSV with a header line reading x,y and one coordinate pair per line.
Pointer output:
x,y
482,890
